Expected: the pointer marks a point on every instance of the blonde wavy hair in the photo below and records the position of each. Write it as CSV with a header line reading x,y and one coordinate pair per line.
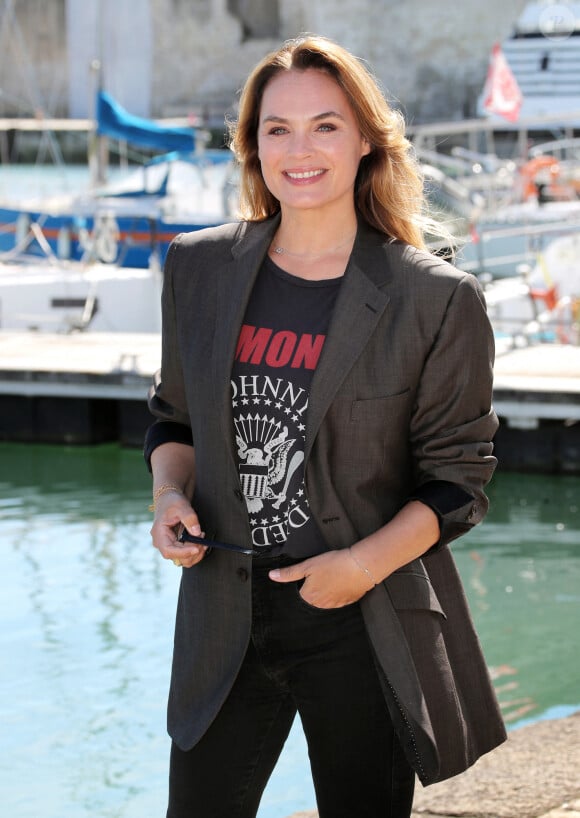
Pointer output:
x,y
389,185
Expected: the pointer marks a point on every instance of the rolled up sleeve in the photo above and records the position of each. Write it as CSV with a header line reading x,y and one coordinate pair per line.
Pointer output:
x,y
453,421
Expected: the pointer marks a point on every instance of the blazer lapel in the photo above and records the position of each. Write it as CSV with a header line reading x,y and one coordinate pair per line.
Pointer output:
x,y
235,282
359,308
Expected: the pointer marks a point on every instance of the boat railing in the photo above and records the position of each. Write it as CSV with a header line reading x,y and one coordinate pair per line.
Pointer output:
x,y
540,230
547,327
28,231
536,238
495,262
525,311
558,148
100,242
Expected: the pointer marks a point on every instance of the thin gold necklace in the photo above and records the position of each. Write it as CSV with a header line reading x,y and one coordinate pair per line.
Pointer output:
x,y
279,250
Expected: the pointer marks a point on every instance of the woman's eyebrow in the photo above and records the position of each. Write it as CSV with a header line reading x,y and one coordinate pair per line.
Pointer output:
x,y
317,118
328,115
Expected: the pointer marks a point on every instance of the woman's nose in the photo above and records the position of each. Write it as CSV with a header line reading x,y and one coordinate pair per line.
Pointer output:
x,y
301,144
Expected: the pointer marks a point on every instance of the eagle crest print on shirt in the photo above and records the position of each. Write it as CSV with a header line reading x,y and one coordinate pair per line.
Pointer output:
x,y
270,432
266,461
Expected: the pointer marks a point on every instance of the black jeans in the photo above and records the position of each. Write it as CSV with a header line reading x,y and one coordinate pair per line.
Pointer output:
x,y
319,663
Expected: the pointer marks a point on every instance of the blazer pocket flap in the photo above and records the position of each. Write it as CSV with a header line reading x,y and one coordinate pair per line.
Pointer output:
x,y
376,407
411,591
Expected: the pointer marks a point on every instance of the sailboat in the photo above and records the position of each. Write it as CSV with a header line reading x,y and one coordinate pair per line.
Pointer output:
x,y
187,187
92,262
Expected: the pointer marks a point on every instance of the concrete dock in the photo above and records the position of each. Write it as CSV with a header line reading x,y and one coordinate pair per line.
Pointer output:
x,y
535,774
91,387
82,388
537,398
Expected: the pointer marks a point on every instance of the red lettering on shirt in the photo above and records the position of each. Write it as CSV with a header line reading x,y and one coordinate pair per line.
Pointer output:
x,y
252,344
308,351
277,349
281,348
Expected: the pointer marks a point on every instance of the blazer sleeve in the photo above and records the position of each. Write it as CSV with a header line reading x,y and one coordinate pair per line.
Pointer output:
x,y
453,421
167,402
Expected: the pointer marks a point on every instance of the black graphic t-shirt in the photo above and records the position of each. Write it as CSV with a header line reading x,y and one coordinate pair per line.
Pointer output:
x,y
278,349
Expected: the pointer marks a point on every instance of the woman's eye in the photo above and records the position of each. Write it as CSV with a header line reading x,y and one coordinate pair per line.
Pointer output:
x,y
277,130
326,127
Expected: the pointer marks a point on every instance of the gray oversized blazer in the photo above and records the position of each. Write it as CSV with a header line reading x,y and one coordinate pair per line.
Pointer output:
x,y
400,407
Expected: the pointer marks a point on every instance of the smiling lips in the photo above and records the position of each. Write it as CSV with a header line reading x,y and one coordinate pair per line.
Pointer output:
x,y
306,174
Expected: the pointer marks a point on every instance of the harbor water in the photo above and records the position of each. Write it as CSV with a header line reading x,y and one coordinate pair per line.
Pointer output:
x,y
87,610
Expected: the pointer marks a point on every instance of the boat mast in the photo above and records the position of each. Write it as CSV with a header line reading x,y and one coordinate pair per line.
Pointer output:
x,y
98,147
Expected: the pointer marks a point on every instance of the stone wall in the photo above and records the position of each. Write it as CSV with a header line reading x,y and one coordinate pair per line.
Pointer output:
x,y
33,70
430,57
201,55
111,46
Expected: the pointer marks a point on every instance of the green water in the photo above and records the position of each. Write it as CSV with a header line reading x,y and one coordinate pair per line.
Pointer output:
x,y
87,611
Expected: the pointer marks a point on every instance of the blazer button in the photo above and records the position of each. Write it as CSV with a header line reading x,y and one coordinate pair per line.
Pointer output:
x,y
243,574
472,513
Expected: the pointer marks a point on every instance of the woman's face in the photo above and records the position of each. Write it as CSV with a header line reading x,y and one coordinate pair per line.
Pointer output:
x,y
309,143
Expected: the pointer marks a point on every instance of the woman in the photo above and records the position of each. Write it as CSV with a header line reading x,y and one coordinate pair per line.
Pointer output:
x,y
324,402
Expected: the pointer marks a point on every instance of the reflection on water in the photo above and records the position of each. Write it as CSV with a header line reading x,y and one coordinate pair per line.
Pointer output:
x,y
521,570
87,614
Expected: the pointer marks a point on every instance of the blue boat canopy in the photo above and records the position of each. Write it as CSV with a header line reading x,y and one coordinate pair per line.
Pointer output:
x,y
114,121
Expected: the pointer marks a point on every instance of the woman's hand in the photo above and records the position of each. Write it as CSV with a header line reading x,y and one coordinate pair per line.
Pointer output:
x,y
331,580
171,510
337,578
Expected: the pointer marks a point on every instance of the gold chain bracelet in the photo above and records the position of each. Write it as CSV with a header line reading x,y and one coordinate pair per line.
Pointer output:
x,y
362,567
164,489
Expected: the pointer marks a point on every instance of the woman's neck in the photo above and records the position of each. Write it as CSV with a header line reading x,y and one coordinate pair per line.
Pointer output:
x,y
307,234
309,246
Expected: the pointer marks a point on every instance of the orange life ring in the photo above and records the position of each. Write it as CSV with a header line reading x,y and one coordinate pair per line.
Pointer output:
x,y
530,170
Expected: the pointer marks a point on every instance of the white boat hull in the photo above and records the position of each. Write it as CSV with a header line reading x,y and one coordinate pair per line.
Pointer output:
x,y
47,296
